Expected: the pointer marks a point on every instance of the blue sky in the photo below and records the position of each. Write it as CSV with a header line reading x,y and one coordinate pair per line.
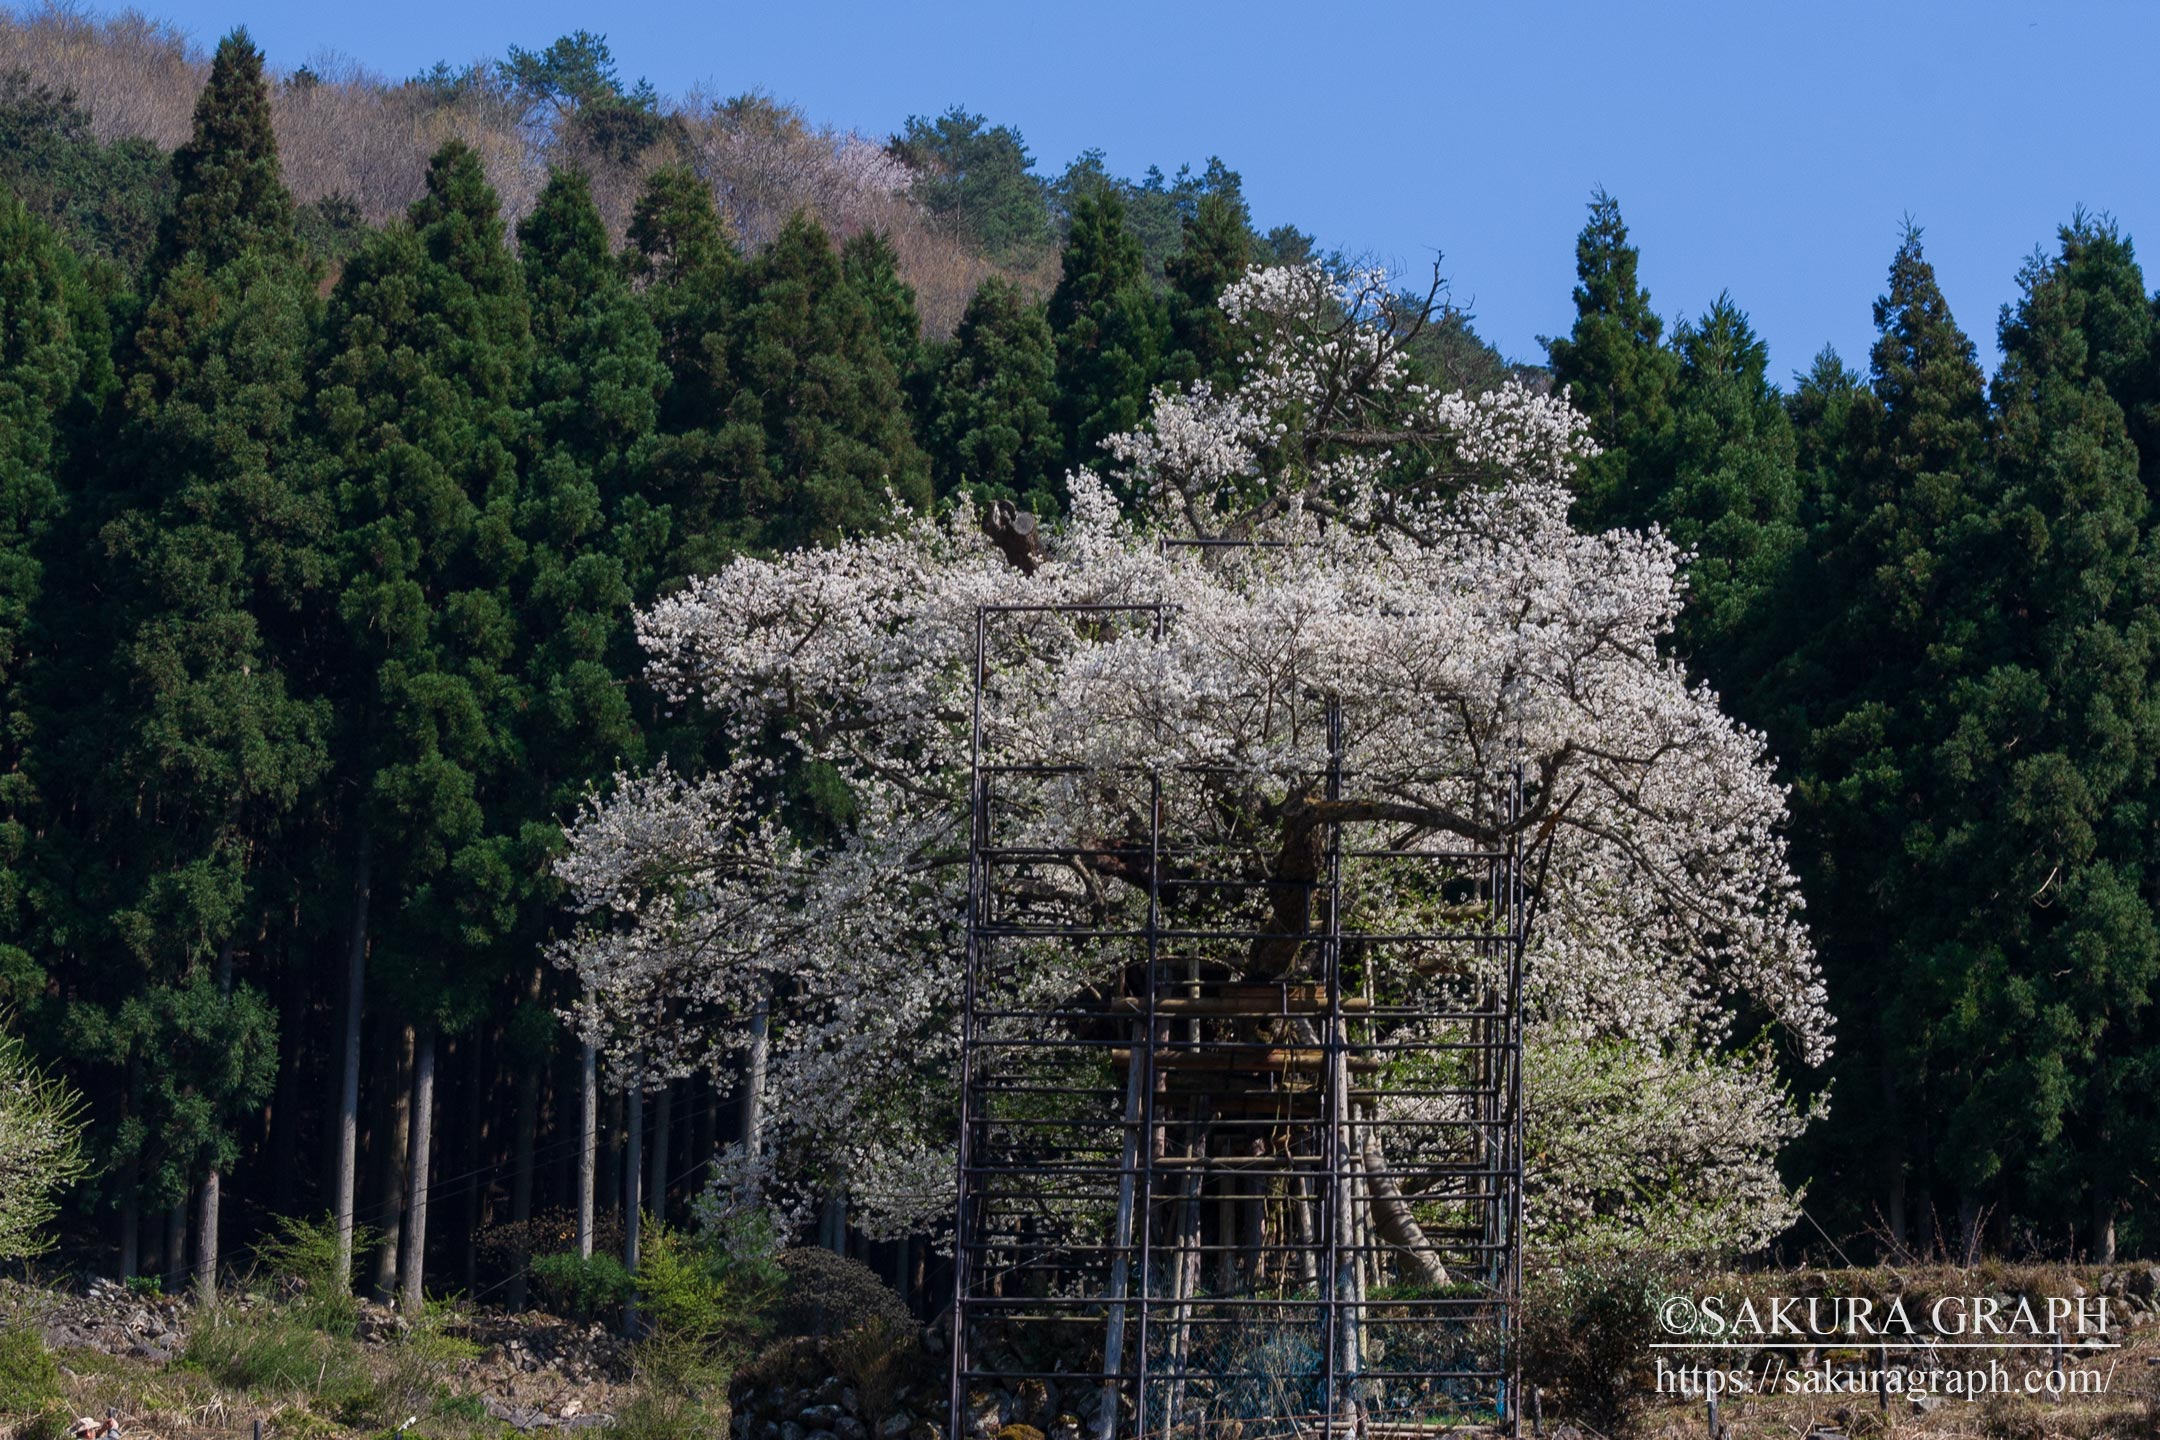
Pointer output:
x,y
1770,150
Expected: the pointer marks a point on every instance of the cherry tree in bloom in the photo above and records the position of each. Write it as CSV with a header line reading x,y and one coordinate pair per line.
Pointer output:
x,y
1373,549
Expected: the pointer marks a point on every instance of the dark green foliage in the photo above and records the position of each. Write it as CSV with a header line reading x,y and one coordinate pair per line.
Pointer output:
x,y
817,431
597,381
576,69
1284,245
871,267
826,1294
1617,372
597,378
106,201
581,1287
197,707
1732,496
1447,351
976,176
574,83
991,429
1158,208
419,406
332,228
46,377
1217,249
446,84
197,1061
784,421
229,199
2043,768
1821,409
1869,696
618,129
684,268
2121,326
1110,325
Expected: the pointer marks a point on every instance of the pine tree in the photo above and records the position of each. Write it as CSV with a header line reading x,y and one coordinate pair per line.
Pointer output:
x,y
230,198
1217,249
105,201
873,269
1617,371
1821,406
977,176
1110,325
207,739
1788,680
591,541
2121,329
1874,687
991,429
680,260
686,273
1733,495
420,397
597,384
2038,834
817,433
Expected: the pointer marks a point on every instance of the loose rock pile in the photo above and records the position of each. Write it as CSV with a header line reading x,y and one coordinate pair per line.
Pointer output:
x,y
795,1391
1035,1409
531,1343
110,1318
538,1373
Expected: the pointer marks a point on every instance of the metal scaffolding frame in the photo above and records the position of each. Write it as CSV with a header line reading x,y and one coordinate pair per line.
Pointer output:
x,y
1196,1200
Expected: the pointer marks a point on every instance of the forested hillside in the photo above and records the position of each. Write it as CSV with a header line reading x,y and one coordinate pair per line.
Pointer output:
x,y
345,423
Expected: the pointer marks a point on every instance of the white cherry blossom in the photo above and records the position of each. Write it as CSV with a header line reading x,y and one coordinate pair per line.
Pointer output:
x,y
1402,554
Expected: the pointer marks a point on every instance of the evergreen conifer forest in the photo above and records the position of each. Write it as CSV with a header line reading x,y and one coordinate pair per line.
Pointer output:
x,y
478,785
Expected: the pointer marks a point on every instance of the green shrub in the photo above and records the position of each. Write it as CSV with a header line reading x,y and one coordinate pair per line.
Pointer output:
x,y
41,1137
826,1294
29,1380
1586,1333
692,1291
303,1255
503,1247
581,1287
